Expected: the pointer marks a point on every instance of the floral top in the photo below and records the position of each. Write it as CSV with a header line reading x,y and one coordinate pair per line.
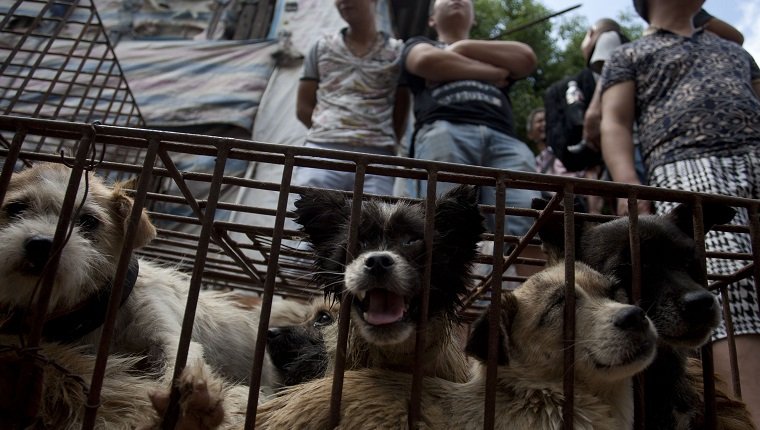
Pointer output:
x,y
356,95
694,95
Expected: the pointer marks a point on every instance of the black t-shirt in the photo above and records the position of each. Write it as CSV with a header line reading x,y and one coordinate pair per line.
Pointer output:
x,y
465,101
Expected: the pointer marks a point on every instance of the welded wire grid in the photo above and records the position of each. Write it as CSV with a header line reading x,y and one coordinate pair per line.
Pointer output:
x,y
256,247
56,62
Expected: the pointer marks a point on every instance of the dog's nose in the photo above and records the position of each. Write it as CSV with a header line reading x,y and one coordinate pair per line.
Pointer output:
x,y
631,318
37,252
378,263
699,305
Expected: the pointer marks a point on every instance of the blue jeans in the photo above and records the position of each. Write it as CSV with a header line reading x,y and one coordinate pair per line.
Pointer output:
x,y
479,145
343,181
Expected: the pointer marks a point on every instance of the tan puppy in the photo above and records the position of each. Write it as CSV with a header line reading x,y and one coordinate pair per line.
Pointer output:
x,y
613,342
150,318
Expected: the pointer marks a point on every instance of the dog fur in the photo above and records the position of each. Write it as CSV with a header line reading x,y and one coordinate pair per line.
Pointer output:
x,y
384,277
298,350
613,342
683,311
149,320
66,371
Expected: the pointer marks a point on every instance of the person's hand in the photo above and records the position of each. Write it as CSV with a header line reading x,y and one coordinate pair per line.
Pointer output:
x,y
644,207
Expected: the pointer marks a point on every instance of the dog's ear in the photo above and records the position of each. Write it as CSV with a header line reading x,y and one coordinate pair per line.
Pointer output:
x,y
320,212
477,344
122,207
458,220
552,232
712,214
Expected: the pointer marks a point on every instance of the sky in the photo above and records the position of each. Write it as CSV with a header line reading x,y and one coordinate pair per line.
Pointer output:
x,y
742,14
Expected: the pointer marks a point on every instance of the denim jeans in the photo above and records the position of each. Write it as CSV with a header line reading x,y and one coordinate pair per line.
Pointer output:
x,y
479,145
343,181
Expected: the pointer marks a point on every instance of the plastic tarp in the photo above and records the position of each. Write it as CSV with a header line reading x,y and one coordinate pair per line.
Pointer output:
x,y
180,83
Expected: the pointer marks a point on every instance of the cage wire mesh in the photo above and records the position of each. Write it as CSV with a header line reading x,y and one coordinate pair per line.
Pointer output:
x,y
60,80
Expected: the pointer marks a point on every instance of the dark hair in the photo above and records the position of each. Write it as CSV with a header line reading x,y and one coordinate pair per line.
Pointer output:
x,y
641,9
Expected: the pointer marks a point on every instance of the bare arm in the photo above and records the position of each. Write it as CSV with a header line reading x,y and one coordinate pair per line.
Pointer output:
x,y
306,100
618,107
724,30
439,65
400,112
516,57
593,118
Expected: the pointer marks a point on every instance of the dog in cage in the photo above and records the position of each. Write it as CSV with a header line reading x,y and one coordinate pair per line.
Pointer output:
x,y
682,310
384,275
149,320
614,341
297,349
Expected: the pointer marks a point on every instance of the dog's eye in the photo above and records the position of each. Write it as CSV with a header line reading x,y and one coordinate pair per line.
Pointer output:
x,y
88,222
413,241
15,209
323,319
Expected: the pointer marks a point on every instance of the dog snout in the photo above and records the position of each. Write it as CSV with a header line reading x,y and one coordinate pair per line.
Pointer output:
x,y
37,252
631,318
378,263
699,305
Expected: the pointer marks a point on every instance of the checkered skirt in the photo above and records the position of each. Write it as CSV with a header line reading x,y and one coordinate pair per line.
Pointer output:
x,y
737,176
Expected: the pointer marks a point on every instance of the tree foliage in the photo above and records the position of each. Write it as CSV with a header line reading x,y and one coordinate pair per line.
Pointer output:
x,y
556,43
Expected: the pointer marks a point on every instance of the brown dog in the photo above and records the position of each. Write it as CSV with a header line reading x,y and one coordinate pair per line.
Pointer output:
x,y
683,311
613,342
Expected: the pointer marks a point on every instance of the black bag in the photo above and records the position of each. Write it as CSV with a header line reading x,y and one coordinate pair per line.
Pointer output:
x,y
563,135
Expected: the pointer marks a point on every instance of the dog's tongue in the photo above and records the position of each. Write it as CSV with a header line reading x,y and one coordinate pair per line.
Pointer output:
x,y
384,307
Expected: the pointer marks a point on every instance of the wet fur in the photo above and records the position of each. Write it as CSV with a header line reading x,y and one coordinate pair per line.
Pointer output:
x,y
394,233
529,382
682,310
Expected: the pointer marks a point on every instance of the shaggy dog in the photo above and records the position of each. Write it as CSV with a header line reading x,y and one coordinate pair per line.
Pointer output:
x,y
384,276
682,310
613,342
151,313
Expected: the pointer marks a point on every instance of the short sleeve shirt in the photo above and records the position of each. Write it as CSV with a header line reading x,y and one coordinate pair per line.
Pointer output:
x,y
694,95
465,101
356,95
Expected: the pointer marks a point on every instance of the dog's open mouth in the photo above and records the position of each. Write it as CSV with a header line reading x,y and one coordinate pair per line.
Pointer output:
x,y
381,307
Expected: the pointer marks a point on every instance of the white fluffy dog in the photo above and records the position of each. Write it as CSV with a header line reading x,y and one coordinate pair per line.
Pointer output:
x,y
150,317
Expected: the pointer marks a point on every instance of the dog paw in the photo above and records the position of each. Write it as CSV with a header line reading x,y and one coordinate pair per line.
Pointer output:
x,y
201,399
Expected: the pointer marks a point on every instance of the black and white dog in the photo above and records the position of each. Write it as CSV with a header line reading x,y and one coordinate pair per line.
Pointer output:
x,y
385,275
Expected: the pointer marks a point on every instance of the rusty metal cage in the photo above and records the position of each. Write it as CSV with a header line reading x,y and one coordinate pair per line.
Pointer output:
x,y
253,249
57,63
65,100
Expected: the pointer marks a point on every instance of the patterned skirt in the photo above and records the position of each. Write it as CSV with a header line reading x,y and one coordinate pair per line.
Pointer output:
x,y
737,176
